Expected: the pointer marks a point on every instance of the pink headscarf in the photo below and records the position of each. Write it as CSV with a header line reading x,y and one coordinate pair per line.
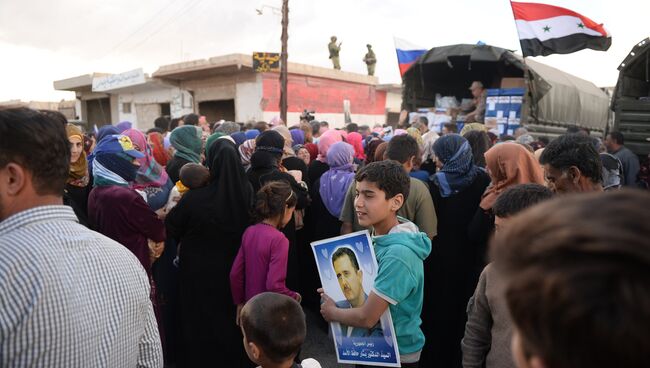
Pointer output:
x,y
355,139
326,140
150,173
399,132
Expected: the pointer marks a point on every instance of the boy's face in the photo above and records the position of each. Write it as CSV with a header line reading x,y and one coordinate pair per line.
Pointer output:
x,y
372,206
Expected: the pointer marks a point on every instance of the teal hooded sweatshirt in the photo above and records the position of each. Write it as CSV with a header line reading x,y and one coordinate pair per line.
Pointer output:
x,y
400,281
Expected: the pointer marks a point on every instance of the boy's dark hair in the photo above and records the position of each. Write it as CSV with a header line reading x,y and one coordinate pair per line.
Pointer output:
x,y
162,123
578,271
324,124
315,127
155,130
519,197
37,141
345,251
573,150
618,137
451,127
389,176
401,148
272,200
173,124
191,119
352,127
261,126
423,120
194,175
276,324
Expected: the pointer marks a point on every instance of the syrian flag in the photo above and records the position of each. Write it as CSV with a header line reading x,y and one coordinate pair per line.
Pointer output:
x,y
407,54
547,29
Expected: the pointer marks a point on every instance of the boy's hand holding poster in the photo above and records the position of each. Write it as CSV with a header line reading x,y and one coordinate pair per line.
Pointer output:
x,y
347,267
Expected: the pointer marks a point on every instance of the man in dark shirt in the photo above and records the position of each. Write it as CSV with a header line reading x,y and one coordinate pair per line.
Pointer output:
x,y
630,161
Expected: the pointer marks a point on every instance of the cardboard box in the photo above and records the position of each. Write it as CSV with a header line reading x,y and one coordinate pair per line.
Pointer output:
x,y
491,103
513,83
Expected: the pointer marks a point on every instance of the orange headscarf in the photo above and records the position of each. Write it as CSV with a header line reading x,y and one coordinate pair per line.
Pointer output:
x,y
509,164
78,172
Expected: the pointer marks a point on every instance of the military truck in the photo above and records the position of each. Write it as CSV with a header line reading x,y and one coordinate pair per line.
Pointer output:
x,y
551,100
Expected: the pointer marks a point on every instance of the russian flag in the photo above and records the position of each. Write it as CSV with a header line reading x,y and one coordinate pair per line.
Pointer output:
x,y
546,29
407,54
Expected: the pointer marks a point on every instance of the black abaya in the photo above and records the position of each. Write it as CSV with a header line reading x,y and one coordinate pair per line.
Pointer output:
x,y
209,222
448,273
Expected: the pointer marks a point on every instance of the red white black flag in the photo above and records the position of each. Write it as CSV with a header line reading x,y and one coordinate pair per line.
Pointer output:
x,y
547,29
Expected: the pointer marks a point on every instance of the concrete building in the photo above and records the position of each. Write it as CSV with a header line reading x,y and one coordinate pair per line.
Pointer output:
x,y
67,108
131,96
227,87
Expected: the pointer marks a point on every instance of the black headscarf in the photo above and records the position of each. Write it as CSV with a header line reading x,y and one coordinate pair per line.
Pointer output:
x,y
268,150
232,190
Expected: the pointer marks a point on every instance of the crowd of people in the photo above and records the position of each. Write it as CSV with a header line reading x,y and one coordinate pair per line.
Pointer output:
x,y
128,248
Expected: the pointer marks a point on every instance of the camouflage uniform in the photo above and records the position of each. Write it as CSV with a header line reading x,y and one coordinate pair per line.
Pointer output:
x,y
334,53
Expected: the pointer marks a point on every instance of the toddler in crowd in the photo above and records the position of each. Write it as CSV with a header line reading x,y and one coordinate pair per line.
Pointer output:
x,y
192,176
261,263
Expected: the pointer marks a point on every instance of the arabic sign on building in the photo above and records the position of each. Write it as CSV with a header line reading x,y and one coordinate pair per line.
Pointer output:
x,y
115,81
266,62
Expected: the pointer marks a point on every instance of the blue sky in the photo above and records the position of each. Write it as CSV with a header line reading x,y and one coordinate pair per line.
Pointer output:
x,y
42,41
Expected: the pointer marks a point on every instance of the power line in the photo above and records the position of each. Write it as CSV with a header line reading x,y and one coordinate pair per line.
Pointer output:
x,y
144,25
170,21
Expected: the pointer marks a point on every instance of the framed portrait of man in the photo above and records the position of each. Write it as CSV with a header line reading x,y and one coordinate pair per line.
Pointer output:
x,y
347,267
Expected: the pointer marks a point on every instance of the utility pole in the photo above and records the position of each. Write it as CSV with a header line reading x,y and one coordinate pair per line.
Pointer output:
x,y
283,61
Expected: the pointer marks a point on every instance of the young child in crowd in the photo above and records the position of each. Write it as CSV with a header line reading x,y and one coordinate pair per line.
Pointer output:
x,y
488,330
192,176
261,263
274,329
381,190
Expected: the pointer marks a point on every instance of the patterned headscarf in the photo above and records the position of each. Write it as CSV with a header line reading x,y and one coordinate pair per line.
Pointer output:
x,y
288,140
246,150
160,154
458,170
415,133
150,173
78,173
187,141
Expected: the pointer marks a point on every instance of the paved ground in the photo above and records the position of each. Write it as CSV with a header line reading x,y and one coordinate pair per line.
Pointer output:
x,y
318,344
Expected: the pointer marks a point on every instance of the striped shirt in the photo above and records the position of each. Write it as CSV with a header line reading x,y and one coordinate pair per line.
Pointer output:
x,y
71,297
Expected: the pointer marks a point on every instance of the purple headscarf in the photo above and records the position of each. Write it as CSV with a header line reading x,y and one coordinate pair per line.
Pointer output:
x,y
335,182
298,136
125,125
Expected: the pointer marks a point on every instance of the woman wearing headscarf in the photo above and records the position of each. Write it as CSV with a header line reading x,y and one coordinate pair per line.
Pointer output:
x,y
479,141
328,192
209,223
313,152
103,132
157,142
322,218
371,148
246,150
319,166
239,137
252,133
356,140
152,182
289,159
76,188
266,167
456,189
187,141
297,136
119,212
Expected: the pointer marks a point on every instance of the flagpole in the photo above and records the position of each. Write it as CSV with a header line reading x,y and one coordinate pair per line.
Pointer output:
x,y
526,70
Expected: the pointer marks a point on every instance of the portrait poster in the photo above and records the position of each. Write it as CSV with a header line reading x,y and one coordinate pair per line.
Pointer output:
x,y
347,267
